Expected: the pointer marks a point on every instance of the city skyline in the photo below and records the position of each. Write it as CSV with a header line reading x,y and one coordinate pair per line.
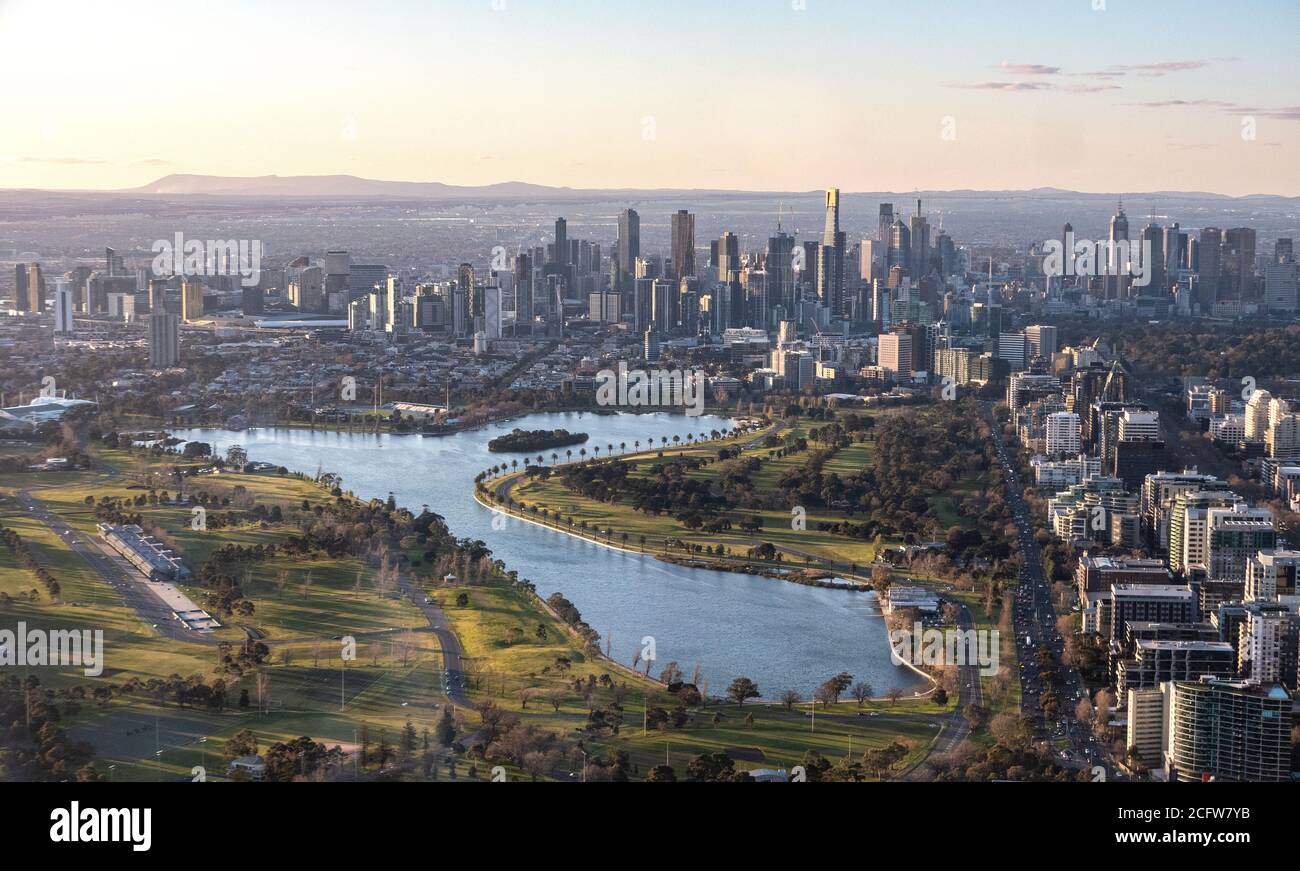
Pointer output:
x,y
784,96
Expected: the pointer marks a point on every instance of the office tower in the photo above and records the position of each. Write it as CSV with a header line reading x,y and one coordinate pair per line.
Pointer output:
x,y
1238,262
728,261
362,277
643,304
1011,347
392,302
1229,730
157,295
1116,280
113,263
894,352
1209,270
1063,434
560,253
781,276
191,299
946,254
919,230
1175,253
164,340
1040,341
603,306
1283,252
663,305
63,307
492,309
252,301
308,291
830,263
683,244
1280,286
1152,238
885,226
629,245
1233,536
29,288
338,273
358,315
900,246
1148,603
806,277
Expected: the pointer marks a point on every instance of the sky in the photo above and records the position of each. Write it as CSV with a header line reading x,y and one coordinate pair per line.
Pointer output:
x,y
1137,95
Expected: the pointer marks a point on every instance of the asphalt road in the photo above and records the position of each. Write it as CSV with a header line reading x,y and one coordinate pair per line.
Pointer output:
x,y
1035,627
117,573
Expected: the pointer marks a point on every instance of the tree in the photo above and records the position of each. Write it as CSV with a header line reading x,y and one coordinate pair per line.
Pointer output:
x,y
445,731
740,689
790,698
893,694
662,774
242,743
862,692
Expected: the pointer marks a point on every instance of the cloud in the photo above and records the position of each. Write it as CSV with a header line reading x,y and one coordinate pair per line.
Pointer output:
x,y
152,161
1008,86
1090,89
1165,104
1029,69
1161,68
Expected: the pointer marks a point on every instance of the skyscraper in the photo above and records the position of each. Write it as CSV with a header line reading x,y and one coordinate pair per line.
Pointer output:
x,y
191,299
830,262
1209,268
780,272
63,306
683,238
164,340
629,244
1116,283
919,258
1238,263
561,241
29,288
886,225
728,256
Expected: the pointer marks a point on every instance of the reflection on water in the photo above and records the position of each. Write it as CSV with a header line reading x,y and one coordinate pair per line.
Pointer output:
x,y
779,634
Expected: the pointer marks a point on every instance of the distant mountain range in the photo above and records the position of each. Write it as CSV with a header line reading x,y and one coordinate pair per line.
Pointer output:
x,y
182,184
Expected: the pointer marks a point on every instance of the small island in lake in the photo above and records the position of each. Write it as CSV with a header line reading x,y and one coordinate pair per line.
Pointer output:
x,y
536,440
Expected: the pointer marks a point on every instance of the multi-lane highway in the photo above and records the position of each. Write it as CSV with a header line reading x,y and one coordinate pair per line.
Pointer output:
x,y
1035,627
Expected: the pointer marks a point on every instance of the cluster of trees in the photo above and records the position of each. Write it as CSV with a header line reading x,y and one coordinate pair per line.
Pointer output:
x,y
1011,757
1218,351
536,440
668,487
570,614
33,747
220,573
24,555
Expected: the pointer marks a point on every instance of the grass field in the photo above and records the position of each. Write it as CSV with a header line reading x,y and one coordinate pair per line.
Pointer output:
x,y
301,605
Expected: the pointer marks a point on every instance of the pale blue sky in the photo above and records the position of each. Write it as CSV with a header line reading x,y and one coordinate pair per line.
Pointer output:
x,y
1145,94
